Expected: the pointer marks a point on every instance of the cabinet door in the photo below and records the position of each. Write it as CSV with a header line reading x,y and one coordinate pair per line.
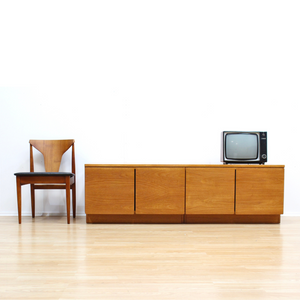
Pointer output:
x,y
109,190
210,190
259,191
160,190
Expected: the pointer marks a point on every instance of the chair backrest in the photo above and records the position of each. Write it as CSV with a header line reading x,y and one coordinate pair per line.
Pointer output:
x,y
52,151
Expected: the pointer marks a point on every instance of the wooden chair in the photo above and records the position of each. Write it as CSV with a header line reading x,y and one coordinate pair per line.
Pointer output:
x,y
52,151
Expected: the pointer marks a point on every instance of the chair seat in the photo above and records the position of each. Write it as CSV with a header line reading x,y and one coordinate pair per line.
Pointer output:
x,y
44,174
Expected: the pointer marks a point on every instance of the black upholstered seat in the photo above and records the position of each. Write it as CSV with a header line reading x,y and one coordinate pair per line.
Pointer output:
x,y
44,174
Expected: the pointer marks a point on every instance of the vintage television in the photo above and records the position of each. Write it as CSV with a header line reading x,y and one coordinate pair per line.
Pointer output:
x,y
247,147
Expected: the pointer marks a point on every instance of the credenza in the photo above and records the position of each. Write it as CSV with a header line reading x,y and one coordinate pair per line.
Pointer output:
x,y
184,193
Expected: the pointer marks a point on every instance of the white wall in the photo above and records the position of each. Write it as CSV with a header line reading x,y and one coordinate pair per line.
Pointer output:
x,y
146,82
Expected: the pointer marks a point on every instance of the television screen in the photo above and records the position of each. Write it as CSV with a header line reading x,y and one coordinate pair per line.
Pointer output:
x,y
241,146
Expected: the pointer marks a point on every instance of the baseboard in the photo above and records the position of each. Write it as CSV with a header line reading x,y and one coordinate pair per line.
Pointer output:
x,y
81,214
40,214
291,215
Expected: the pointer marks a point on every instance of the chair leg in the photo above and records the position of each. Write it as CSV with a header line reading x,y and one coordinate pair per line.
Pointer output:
x,y
68,194
32,191
19,200
74,199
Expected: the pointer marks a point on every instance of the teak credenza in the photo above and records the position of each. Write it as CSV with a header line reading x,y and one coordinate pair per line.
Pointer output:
x,y
184,193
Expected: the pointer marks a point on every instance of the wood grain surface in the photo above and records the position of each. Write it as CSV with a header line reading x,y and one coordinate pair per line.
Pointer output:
x,y
210,191
259,191
160,190
109,191
44,258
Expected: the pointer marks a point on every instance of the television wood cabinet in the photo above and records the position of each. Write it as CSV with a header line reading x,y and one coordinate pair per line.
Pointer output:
x,y
184,193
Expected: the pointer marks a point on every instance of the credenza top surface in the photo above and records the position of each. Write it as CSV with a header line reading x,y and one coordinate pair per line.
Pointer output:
x,y
181,166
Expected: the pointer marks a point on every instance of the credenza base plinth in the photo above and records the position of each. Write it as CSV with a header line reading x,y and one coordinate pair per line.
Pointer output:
x,y
182,219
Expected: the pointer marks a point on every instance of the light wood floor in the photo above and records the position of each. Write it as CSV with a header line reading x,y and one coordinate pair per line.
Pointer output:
x,y
44,258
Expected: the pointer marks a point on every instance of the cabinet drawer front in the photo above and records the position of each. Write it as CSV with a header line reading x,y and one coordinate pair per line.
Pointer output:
x,y
109,191
210,191
259,191
160,190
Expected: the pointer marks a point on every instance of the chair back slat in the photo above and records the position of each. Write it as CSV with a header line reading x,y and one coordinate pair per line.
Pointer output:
x,y
52,151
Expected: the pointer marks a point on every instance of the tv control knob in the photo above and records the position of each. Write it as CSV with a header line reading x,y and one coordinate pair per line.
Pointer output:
x,y
264,156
